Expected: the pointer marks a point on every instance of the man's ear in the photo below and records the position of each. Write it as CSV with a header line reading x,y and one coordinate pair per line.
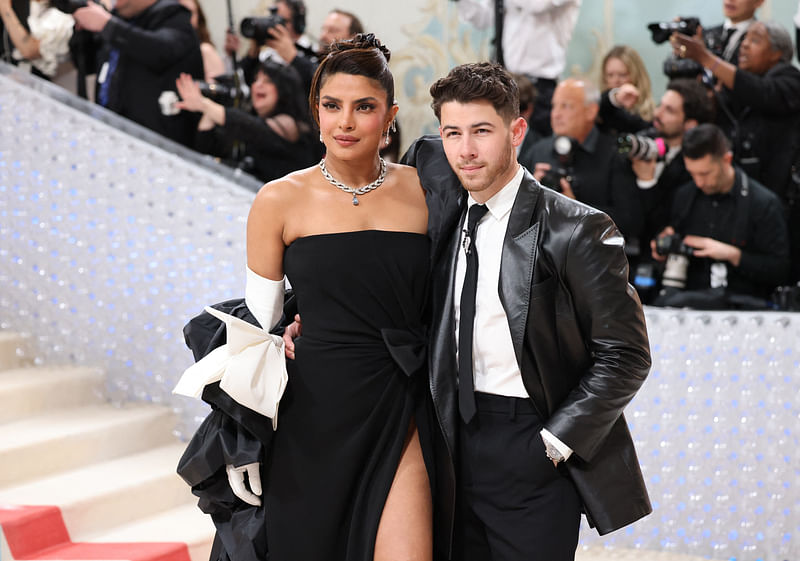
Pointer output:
x,y
689,124
518,128
727,157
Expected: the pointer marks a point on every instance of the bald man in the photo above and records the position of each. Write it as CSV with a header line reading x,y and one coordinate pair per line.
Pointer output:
x,y
588,169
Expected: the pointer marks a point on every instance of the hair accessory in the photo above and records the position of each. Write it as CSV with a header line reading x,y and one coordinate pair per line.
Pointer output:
x,y
354,191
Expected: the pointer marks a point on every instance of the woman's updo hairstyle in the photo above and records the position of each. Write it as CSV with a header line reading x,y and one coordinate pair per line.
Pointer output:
x,y
363,55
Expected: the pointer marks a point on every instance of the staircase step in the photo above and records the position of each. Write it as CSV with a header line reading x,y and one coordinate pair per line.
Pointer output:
x,y
14,350
106,494
62,440
186,524
28,391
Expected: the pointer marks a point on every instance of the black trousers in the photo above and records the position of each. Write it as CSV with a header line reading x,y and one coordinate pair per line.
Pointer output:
x,y
514,504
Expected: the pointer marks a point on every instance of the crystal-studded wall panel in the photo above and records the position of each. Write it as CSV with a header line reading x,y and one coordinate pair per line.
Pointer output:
x,y
109,244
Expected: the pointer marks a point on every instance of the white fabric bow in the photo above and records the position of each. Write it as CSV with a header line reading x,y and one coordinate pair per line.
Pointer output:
x,y
250,367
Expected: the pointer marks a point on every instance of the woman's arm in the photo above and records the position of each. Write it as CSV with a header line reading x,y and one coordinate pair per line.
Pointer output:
x,y
193,100
27,44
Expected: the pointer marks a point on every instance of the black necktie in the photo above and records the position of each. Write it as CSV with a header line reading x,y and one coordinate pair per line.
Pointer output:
x,y
466,387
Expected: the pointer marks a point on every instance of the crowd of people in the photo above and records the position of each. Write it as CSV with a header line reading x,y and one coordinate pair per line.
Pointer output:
x,y
155,63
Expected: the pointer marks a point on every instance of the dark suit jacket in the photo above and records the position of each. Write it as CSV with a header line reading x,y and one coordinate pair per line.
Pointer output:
x,y
602,178
155,47
766,123
578,333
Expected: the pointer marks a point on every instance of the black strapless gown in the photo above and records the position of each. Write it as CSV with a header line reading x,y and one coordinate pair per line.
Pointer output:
x,y
358,379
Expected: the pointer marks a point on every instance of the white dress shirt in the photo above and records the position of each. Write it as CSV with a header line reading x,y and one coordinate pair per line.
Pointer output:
x,y
740,29
535,32
495,367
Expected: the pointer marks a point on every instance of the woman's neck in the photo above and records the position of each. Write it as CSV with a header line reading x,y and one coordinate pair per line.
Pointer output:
x,y
354,173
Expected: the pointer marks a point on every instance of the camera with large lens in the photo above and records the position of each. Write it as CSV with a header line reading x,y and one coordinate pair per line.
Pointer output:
x,y
223,94
642,146
563,150
677,266
662,30
69,6
675,67
258,29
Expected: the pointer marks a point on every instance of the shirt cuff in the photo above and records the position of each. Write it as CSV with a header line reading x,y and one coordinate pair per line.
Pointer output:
x,y
797,17
565,450
646,183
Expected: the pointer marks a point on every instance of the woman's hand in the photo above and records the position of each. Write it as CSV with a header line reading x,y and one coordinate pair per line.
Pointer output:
x,y
690,47
191,98
5,5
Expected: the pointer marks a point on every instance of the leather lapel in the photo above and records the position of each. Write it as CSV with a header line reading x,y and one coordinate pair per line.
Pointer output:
x,y
518,260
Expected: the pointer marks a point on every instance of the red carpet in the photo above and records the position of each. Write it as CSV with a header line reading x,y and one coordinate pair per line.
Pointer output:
x,y
38,532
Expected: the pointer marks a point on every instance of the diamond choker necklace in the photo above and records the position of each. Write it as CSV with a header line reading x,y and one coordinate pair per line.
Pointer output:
x,y
346,188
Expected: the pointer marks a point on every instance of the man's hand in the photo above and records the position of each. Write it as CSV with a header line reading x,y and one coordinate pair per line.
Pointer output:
x,y
540,169
292,332
714,249
282,42
91,18
645,170
232,42
566,189
236,481
668,231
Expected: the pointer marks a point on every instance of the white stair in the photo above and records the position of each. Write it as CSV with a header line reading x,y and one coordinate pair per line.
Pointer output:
x,y
110,470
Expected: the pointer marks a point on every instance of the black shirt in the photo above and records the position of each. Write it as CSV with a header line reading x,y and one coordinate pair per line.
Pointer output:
x,y
749,217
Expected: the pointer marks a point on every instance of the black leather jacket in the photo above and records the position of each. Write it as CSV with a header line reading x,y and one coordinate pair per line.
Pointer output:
x,y
578,333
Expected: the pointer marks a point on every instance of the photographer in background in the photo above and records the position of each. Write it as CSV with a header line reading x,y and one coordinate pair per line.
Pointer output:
x,y
141,47
759,109
278,36
684,105
338,25
727,243
626,101
277,136
583,163
43,40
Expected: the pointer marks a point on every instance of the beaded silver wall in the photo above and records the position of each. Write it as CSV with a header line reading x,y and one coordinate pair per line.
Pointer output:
x,y
108,245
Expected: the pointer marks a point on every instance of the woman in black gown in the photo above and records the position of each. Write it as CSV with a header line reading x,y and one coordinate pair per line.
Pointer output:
x,y
345,478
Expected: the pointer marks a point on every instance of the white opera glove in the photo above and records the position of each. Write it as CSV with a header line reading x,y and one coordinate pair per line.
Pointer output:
x,y
238,485
250,366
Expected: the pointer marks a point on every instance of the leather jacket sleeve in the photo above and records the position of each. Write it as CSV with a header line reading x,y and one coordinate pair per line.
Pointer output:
x,y
610,316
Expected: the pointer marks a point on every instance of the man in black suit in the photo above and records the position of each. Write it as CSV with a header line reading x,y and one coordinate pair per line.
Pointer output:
x,y
595,173
725,39
534,352
143,46
684,105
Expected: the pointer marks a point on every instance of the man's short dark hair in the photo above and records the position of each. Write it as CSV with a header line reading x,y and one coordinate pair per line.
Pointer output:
x,y
478,81
696,101
355,24
703,140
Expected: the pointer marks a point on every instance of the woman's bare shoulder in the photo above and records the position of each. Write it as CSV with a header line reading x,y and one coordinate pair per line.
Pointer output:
x,y
284,189
406,175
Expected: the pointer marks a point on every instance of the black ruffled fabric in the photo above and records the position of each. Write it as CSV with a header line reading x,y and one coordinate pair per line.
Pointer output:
x,y
231,434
